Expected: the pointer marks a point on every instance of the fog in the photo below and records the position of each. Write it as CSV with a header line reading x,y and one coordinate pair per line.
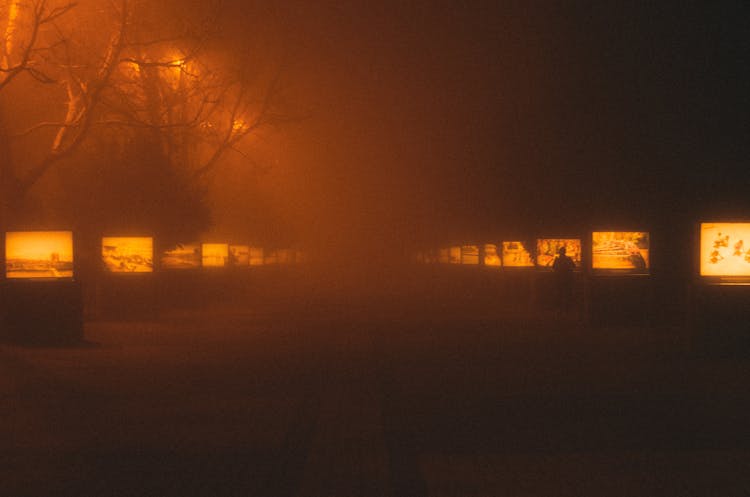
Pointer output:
x,y
254,248
420,125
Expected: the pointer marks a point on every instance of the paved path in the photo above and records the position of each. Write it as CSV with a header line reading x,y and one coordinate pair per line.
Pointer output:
x,y
230,403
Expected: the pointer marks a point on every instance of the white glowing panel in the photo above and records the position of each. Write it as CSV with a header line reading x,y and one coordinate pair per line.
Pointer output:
x,y
725,249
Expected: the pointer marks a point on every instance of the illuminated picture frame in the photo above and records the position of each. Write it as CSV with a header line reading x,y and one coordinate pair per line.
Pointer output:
x,y
35,255
724,252
470,255
547,250
515,254
128,254
621,252
214,255
181,256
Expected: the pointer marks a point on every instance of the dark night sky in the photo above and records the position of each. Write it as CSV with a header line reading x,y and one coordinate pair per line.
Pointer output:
x,y
436,121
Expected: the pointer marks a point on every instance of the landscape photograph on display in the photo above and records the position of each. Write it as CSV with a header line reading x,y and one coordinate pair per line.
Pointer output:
x,y
256,256
444,256
271,257
547,250
725,250
39,254
454,255
469,254
214,254
491,257
515,254
182,256
620,251
128,254
286,256
239,255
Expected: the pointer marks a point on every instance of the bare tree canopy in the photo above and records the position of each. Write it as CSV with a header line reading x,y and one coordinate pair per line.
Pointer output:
x,y
130,71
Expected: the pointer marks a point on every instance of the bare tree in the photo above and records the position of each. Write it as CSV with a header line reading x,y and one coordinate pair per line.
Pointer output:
x,y
146,79
35,44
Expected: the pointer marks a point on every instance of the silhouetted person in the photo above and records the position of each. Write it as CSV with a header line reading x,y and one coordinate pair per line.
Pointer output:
x,y
563,268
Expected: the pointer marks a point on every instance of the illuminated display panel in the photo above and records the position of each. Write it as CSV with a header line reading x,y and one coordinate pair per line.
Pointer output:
x,y
515,254
285,256
469,254
620,251
491,257
239,255
272,257
256,256
548,248
128,254
725,251
182,256
214,254
444,256
454,255
39,254
431,256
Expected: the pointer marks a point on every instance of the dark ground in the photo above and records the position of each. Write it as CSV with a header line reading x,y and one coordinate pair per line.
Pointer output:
x,y
368,398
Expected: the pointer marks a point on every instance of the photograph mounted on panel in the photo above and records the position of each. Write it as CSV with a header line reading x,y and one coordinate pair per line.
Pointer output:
x,y
547,250
256,256
271,257
620,251
286,256
444,256
239,255
39,254
516,254
491,257
182,256
469,254
214,254
454,255
725,251
128,254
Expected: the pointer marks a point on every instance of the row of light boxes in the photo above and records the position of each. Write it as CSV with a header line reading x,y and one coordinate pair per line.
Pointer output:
x,y
724,251
49,254
612,250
